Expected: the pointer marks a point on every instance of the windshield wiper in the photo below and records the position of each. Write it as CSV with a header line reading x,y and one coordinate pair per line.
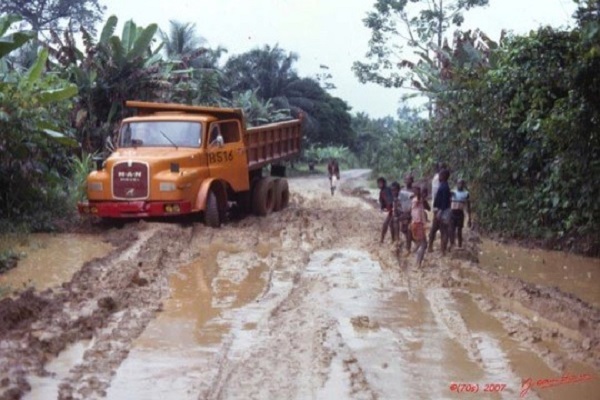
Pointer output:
x,y
169,139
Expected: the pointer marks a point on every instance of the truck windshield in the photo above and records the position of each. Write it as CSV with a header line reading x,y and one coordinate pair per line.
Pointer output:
x,y
160,134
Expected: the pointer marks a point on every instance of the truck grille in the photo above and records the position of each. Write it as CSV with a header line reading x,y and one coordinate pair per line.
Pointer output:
x,y
130,180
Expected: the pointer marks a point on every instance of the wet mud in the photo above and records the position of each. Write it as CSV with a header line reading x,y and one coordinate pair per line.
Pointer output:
x,y
302,304
46,260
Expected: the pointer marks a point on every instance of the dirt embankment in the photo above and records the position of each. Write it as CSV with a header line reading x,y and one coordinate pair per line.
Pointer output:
x,y
304,303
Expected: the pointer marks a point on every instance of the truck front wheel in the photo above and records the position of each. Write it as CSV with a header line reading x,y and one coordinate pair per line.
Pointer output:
x,y
263,197
212,214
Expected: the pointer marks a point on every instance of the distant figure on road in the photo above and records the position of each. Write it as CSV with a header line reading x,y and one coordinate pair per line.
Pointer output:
x,y
442,218
460,202
386,201
417,225
333,169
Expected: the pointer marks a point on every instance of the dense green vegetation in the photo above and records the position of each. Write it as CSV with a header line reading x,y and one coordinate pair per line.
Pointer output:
x,y
517,117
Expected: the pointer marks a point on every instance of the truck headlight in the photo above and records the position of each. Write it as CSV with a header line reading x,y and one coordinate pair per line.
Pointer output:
x,y
95,186
167,187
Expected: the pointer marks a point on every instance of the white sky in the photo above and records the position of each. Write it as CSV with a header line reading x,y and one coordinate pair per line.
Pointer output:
x,y
323,32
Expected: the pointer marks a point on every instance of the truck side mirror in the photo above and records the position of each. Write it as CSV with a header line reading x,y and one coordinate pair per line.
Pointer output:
x,y
99,162
109,144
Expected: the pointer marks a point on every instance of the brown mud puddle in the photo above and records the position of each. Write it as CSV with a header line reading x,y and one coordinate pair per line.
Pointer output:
x,y
570,273
224,277
190,329
50,260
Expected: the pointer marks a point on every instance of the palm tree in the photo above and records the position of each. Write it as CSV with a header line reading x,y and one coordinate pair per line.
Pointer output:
x,y
268,71
181,40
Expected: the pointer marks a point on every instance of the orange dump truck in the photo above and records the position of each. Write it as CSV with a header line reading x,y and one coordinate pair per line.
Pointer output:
x,y
173,159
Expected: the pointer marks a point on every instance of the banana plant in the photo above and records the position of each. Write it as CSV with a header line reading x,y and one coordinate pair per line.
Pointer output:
x,y
111,69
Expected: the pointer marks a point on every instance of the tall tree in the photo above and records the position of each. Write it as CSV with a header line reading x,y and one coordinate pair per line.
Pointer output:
x,y
268,71
196,76
50,14
419,24
182,39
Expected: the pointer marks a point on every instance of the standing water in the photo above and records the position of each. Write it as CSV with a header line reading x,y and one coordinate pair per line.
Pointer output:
x,y
50,260
570,273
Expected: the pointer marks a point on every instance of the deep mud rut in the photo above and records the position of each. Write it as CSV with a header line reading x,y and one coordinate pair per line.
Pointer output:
x,y
303,304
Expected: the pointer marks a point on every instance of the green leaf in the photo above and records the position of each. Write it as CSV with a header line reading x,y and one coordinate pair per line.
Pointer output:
x,y
6,21
35,72
142,42
117,50
61,138
54,95
109,29
14,41
128,35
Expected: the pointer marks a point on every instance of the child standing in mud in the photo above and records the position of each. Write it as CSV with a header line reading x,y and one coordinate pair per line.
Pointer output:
x,y
417,225
460,203
386,201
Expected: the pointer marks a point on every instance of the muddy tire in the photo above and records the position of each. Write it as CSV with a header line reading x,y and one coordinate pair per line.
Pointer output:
x,y
282,194
277,194
263,197
212,213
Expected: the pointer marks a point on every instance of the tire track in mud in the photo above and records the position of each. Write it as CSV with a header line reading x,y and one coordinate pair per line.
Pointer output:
x,y
109,300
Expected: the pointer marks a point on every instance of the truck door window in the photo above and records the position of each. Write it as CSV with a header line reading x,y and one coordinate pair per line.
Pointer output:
x,y
230,131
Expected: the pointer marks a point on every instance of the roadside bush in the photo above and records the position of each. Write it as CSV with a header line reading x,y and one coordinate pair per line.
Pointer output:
x,y
34,108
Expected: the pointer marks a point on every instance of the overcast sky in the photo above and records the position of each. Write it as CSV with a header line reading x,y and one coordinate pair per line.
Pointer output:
x,y
328,32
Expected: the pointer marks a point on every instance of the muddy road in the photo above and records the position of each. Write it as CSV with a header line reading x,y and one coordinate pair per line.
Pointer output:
x,y
302,304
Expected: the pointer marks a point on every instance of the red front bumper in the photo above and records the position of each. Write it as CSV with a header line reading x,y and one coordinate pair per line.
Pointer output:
x,y
134,209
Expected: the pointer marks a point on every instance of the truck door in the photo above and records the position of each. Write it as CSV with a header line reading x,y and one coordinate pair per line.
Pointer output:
x,y
226,153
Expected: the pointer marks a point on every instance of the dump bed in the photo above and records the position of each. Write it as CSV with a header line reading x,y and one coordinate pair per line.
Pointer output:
x,y
272,143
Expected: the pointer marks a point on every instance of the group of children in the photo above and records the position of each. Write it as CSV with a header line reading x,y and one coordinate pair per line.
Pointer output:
x,y
405,212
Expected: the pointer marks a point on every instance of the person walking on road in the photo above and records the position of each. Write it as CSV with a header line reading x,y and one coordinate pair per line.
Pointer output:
x,y
460,202
442,217
386,202
333,169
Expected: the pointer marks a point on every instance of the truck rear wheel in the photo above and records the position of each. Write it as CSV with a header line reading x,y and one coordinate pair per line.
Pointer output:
x,y
212,213
263,197
282,194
